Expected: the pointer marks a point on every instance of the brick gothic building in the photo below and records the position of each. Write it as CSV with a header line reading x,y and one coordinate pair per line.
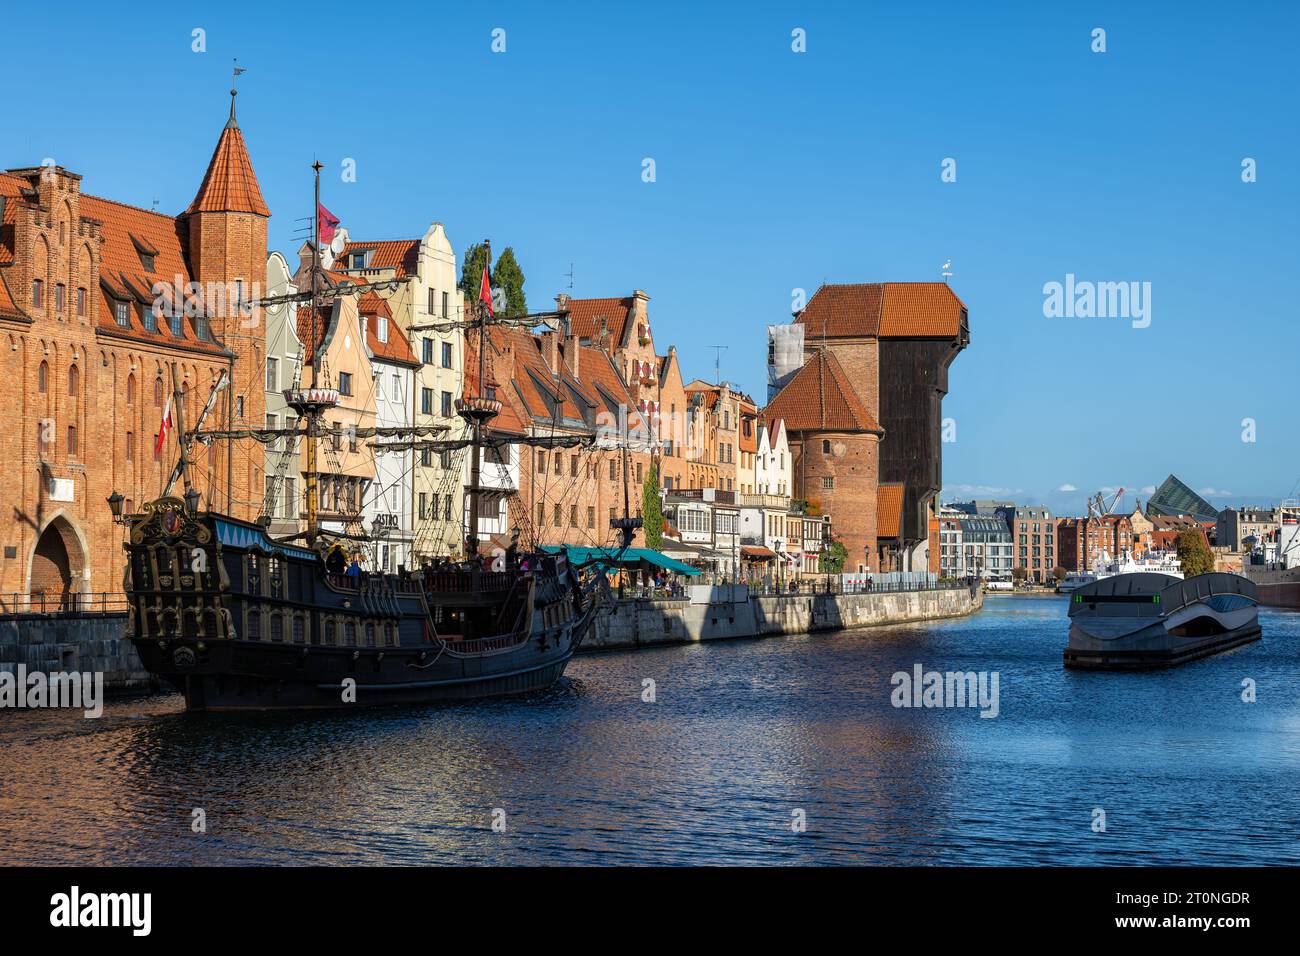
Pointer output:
x,y
88,358
864,410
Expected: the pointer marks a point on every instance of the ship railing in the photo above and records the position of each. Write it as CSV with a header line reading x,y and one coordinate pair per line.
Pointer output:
x,y
468,582
95,602
480,645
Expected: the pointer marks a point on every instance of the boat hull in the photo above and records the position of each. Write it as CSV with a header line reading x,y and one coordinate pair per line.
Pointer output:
x,y
1145,621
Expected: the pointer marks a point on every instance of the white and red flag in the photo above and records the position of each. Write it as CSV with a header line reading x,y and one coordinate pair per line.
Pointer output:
x,y
165,427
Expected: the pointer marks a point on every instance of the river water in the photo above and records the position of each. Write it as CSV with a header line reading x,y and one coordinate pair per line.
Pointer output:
x,y
743,740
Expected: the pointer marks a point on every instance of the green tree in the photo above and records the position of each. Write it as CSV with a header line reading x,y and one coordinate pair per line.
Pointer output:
x,y
509,278
1194,554
652,515
1058,572
471,270
832,559
1019,573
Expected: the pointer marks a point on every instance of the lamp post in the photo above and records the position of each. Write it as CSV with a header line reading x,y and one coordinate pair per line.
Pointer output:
x,y
192,501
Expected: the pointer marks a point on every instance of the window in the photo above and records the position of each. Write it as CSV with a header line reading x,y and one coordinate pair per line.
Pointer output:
x,y
424,505
427,354
72,439
42,377
277,627
396,393
444,309
381,328
828,483
60,297
176,321
272,374
573,516
130,389
122,314
345,383
130,446
541,462
38,292
446,404
431,300
446,352
612,465
157,393
558,514
148,318
74,381
147,262
591,516
239,406
826,446
426,457
446,515
426,401
290,498
573,466
81,302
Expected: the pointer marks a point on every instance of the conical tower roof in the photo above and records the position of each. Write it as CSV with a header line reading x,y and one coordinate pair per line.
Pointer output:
x,y
230,185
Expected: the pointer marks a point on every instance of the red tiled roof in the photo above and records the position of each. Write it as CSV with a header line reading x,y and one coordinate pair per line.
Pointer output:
x,y
883,309
586,316
820,398
889,510
11,188
123,271
397,349
8,308
303,328
499,367
230,185
400,255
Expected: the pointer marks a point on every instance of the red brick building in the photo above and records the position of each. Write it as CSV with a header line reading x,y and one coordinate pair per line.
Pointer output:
x,y
1081,541
865,410
99,301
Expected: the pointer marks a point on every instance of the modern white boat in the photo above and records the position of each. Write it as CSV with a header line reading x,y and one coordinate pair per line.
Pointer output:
x,y
1141,621
1104,566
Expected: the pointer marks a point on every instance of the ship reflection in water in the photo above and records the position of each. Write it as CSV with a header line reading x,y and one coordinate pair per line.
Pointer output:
x,y
741,735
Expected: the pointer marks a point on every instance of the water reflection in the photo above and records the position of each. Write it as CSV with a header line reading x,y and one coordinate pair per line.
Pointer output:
x,y
741,735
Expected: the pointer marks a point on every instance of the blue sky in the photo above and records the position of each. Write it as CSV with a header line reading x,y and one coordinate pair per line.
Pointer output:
x,y
776,171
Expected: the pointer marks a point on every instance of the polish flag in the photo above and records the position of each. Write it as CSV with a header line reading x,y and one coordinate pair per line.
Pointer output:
x,y
164,428
485,290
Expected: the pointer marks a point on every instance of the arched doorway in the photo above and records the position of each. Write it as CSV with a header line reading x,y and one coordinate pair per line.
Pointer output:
x,y
58,565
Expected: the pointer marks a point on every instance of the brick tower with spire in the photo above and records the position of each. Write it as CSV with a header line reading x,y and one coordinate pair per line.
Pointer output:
x,y
226,227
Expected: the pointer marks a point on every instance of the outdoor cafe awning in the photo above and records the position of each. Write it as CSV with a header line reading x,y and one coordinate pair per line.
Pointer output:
x,y
755,552
580,554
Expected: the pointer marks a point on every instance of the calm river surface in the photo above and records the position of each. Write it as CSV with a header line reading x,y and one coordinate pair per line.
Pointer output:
x,y
742,734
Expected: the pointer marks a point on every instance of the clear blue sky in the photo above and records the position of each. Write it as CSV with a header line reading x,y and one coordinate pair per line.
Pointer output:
x,y
778,170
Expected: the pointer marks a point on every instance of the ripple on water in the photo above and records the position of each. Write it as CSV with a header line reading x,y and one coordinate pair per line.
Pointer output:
x,y
741,737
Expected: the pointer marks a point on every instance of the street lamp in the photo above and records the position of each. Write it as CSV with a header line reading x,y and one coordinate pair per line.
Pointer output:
x,y
115,506
192,501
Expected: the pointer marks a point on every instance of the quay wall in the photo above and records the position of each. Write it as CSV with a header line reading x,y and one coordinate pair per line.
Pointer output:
x,y
723,613
85,643
91,643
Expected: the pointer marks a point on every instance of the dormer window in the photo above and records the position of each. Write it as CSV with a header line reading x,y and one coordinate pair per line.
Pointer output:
x,y
146,262
148,318
358,260
381,328
122,314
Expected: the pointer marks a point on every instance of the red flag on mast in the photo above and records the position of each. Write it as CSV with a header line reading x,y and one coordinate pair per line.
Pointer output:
x,y
485,290
328,223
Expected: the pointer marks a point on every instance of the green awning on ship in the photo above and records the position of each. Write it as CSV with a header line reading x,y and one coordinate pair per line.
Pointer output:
x,y
580,554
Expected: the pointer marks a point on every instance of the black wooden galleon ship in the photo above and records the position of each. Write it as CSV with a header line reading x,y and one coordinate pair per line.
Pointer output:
x,y
238,620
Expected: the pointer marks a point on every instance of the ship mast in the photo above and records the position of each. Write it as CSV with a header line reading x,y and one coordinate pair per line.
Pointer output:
x,y
477,411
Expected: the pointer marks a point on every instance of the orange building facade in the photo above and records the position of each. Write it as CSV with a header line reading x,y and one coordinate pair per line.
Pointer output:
x,y
99,303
